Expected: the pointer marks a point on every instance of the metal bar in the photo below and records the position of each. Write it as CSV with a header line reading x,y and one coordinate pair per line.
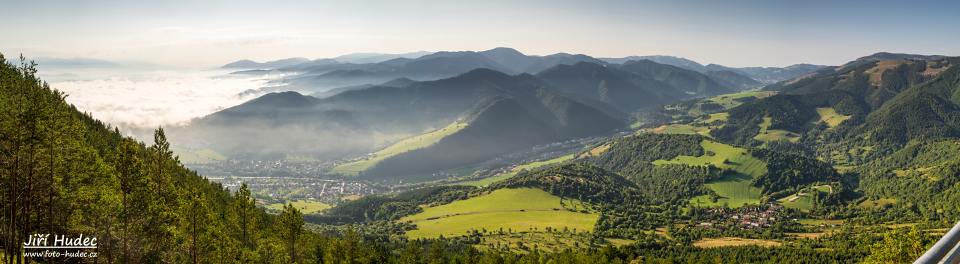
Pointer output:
x,y
943,249
952,257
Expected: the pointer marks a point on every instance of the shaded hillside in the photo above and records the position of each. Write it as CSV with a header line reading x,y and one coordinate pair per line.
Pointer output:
x,y
768,75
732,79
399,82
690,82
498,127
596,83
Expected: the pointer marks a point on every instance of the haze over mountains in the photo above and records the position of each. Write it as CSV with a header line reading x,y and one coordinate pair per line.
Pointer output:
x,y
509,100
358,69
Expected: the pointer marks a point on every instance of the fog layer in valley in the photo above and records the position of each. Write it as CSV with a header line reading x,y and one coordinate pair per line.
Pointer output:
x,y
135,99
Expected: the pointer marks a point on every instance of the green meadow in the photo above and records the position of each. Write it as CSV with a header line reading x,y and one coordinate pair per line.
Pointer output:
x,y
682,129
405,145
803,199
513,172
730,100
831,117
305,207
734,189
767,135
722,116
516,210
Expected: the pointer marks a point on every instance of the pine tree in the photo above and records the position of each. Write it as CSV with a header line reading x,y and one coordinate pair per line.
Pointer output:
x,y
129,166
291,227
246,220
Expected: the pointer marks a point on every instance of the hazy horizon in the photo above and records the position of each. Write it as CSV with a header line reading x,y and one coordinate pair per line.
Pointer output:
x,y
99,51
732,33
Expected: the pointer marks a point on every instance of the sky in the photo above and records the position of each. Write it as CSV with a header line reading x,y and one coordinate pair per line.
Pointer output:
x,y
203,34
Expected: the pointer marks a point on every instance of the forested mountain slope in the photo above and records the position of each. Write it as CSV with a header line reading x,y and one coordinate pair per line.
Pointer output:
x,y
63,172
690,82
626,91
881,101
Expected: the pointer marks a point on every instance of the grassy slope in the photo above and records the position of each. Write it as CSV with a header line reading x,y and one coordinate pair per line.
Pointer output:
x,y
513,172
305,207
831,117
767,135
682,129
722,116
509,209
728,100
803,199
408,144
736,189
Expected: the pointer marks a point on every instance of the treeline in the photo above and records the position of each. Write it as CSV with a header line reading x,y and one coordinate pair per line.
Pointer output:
x,y
387,208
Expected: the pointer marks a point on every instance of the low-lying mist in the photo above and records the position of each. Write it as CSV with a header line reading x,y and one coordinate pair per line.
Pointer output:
x,y
134,99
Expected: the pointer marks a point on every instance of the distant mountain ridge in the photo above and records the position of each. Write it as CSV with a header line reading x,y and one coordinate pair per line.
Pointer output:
x,y
250,65
764,75
373,57
319,76
662,59
733,79
563,102
690,82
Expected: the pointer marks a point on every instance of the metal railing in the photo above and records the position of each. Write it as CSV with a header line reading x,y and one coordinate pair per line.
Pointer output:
x,y
947,250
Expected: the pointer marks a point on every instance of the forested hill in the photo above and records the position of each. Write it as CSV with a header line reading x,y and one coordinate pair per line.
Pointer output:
x,y
62,172
881,99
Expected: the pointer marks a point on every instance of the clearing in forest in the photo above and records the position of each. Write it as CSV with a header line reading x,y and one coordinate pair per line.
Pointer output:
x,y
734,190
506,210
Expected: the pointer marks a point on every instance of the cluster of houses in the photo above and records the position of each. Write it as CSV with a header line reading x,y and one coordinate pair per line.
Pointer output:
x,y
747,217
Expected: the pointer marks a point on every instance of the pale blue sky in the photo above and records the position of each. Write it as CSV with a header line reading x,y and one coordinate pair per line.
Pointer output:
x,y
735,33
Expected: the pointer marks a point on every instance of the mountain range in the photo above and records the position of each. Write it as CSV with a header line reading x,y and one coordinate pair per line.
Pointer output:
x,y
574,96
318,76
354,104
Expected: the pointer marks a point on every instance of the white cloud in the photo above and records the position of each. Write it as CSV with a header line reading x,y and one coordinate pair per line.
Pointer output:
x,y
152,98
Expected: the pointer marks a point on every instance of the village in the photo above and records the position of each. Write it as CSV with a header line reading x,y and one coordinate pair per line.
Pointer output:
x,y
747,217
